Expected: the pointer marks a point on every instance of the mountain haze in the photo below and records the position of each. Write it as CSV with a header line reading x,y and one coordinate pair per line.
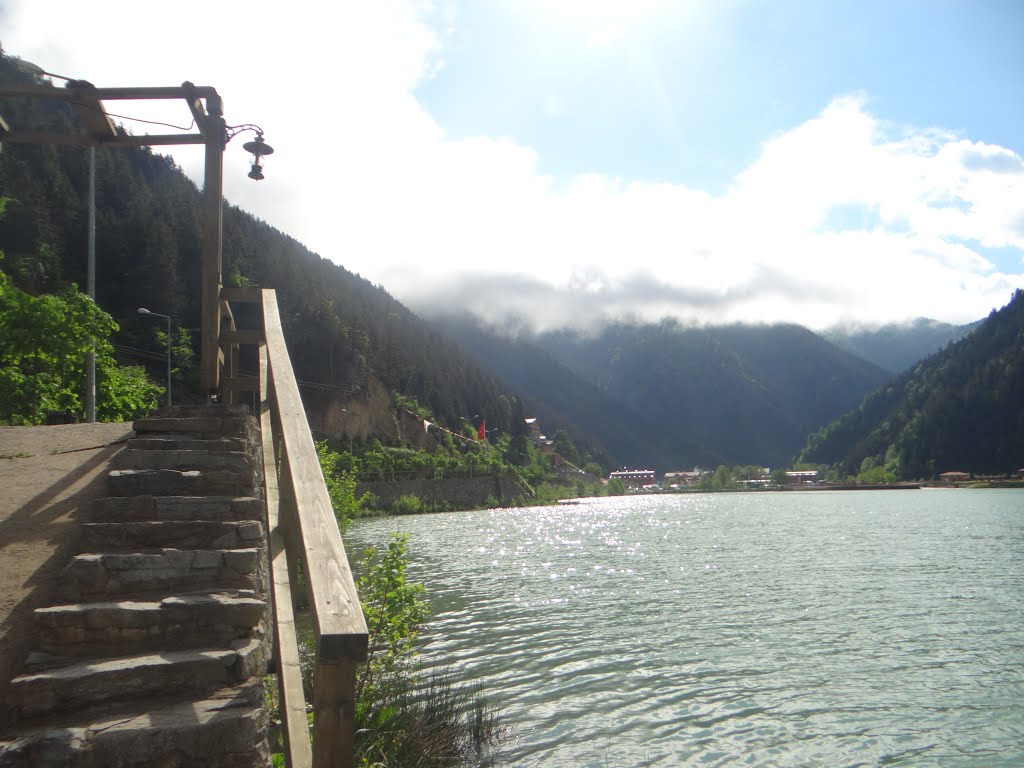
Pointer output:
x,y
897,346
677,396
564,398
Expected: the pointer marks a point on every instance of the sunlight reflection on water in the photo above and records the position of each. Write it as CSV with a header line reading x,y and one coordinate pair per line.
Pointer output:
x,y
763,629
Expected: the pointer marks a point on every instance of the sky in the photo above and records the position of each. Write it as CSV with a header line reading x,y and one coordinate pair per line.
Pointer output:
x,y
555,163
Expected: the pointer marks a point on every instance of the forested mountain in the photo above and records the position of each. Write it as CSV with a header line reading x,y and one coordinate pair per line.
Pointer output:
x,y
960,409
562,398
736,394
341,330
897,346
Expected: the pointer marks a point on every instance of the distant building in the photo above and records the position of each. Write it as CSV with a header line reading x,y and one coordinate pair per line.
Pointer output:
x,y
798,476
954,477
533,428
635,478
683,478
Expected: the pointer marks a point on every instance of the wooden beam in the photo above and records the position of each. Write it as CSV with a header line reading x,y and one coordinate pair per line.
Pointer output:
x,y
110,94
212,243
93,115
240,383
341,626
241,295
121,140
291,696
334,685
241,337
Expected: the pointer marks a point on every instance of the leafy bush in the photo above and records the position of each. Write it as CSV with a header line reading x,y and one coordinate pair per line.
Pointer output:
x,y
400,722
408,504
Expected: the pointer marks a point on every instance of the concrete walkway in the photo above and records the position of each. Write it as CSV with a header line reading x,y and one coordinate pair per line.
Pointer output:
x,y
46,474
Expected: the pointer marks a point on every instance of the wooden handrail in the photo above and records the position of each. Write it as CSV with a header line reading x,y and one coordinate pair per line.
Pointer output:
x,y
302,528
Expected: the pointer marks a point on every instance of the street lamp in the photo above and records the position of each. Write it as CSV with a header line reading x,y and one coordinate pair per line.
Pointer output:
x,y
144,311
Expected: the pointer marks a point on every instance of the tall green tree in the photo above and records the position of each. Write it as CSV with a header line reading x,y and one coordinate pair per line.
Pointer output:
x,y
44,346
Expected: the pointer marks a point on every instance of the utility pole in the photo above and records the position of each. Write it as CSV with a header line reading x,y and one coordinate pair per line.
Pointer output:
x,y
90,281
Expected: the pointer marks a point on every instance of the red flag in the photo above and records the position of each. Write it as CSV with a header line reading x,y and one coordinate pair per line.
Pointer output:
x,y
482,432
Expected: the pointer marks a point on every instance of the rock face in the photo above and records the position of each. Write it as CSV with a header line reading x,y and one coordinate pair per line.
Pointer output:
x,y
156,654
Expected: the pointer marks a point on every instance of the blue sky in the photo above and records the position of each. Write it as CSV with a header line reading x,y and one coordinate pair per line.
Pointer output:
x,y
687,92
561,162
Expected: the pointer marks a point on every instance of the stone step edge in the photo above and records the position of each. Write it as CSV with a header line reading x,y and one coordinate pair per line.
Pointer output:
x,y
231,719
135,611
125,535
150,507
91,681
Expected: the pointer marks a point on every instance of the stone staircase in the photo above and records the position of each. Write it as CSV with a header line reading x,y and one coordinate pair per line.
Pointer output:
x,y
155,652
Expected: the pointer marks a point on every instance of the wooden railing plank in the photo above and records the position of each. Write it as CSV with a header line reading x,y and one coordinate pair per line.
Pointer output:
x,y
289,673
243,295
340,623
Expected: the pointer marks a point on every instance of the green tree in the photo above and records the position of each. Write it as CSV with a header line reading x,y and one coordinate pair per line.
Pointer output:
x,y
44,345
341,486
616,487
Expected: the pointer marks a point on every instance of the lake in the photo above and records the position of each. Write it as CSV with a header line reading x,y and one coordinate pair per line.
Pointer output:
x,y
760,629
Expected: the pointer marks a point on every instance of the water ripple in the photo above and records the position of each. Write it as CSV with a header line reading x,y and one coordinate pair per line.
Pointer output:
x,y
759,630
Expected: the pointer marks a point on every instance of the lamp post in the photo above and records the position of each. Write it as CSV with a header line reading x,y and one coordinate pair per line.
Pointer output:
x,y
213,132
144,311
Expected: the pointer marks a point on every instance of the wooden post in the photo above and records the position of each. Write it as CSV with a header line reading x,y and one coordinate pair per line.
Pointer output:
x,y
213,129
334,722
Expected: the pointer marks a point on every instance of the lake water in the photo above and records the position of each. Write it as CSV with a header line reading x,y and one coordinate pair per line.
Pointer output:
x,y
774,629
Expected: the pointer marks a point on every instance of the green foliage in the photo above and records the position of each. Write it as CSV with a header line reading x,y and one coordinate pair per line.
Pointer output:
x,y
394,609
409,403
593,468
400,723
341,486
616,487
124,393
407,504
44,346
401,720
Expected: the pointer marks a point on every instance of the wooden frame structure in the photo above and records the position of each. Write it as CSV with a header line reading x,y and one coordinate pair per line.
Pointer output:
x,y
301,525
301,528
207,110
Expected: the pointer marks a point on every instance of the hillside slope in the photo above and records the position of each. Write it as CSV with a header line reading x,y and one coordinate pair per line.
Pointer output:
x,y
632,437
960,409
750,394
343,333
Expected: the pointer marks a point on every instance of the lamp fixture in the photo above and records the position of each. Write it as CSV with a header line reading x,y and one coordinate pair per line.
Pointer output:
x,y
258,148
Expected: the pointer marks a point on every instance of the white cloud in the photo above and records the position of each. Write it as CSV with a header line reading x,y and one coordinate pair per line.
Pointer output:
x,y
842,217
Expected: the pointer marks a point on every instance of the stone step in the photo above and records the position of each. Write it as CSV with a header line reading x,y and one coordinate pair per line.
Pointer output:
x,y
171,442
199,422
130,626
95,681
232,461
142,508
96,576
172,482
181,534
218,410
226,729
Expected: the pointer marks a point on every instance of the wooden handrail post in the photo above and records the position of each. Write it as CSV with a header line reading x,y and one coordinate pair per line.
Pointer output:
x,y
334,713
